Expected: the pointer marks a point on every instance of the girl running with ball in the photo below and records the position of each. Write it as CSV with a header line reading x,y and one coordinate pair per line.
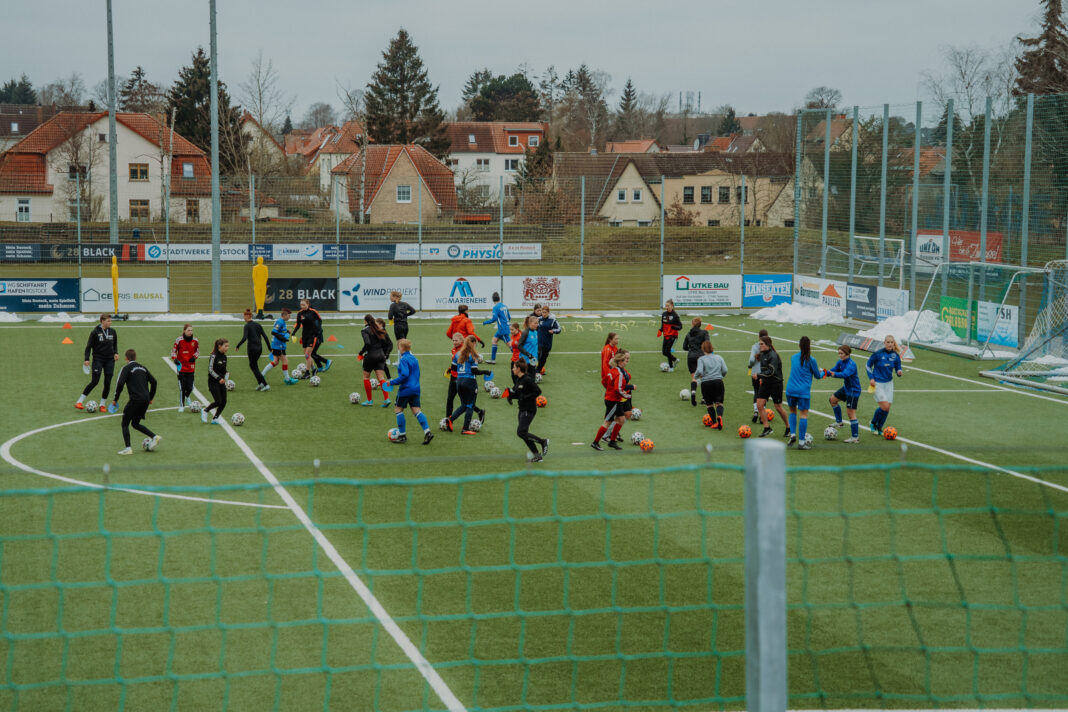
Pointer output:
x,y
849,393
465,362
617,405
184,354
708,375
882,365
373,355
770,369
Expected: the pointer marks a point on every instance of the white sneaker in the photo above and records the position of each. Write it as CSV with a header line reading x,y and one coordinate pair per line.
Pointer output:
x,y
126,451
181,409
266,387
203,415
839,425
851,441
154,443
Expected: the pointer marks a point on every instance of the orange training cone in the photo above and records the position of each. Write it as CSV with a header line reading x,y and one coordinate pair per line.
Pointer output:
x,y
709,327
67,326
331,338
66,341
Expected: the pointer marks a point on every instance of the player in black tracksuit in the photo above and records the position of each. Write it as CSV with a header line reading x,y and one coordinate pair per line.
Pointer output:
x,y
670,326
398,314
216,381
256,337
104,346
312,338
526,391
142,387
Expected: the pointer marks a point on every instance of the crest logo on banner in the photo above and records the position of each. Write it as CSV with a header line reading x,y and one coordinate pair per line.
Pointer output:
x,y
541,289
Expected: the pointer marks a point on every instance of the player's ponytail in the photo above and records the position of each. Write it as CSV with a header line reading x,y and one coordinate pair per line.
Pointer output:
x,y
218,343
377,331
806,349
608,339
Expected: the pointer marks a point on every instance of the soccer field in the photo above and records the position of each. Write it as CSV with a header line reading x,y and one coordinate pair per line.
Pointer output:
x,y
302,560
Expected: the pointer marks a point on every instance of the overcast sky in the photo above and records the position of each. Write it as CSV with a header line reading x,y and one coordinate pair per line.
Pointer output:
x,y
757,56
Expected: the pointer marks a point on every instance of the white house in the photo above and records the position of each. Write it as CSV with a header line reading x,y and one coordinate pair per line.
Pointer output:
x,y
485,153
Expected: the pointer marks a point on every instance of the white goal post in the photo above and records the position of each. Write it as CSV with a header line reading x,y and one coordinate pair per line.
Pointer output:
x,y
866,261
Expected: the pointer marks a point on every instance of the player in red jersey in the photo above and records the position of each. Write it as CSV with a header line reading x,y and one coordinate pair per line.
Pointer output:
x,y
184,354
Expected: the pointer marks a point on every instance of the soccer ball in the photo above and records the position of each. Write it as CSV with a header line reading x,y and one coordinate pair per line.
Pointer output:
x,y
374,383
636,414
637,437
91,407
646,445
393,434
541,401
489,386
808,438
890,433
194,407
744,431
664,367
315,380
770,414
684,394
237,419
443,424
146,444
707,420
230,385
830,432
495,392
354,398
299,370
476,424
537,378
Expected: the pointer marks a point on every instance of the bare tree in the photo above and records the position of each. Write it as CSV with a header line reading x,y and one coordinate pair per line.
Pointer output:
x,y
77,158
319,114
823,97
65,91
355,106
262,95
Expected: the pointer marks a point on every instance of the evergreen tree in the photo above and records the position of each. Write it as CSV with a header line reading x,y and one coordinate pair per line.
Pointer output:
x,y
939,133
729,123
402,105
584,113
1042,68
506,99
537,165
191,97
18,91
140,95
626,114
287,126
478,79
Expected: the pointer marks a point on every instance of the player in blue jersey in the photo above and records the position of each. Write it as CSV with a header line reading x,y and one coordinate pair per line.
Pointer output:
x,y
849,392
501,317
803,369
882,365
465,363
279,339
407,385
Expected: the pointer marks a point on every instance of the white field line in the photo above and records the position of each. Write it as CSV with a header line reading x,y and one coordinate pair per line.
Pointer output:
x,y
5,452
428,672
991,386
933,390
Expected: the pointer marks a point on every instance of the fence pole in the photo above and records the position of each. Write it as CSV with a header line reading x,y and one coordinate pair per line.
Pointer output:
x,y
113,160
500,229
337,230
826,191
853,186
661,239
78,207
765,576
947,192
419,235
1025,218
216,218
582,239
915,205
797,188
742,226
882,192
985,198
252,204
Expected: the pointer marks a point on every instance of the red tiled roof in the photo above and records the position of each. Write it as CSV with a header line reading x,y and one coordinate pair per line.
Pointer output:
x,y
930,159
839,125
199,184
491,136
438,179
23,173
246,117
346,140
720,143
640,145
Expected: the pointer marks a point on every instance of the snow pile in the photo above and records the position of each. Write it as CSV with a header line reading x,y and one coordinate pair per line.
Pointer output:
x,y
192,317
929,330
8,317
799,314
64,317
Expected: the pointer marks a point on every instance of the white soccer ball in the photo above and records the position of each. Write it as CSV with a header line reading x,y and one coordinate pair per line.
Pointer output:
x,y
443,424
829,433
476,424
237,419
374,383
194,407
684,394
808,438
299,370
489,386
230,385
636,437
315,380
495,392
537,377
664,366
91,407
393,434
354,398
146,444
636,414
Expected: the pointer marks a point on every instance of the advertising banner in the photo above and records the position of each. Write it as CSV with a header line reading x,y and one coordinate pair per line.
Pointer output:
x,y
467,252
931,250
191,252
297,252
136,294
38,295
964,246
287,292
766,290
704,290
371,294
1005,324
20,252
891,302
818,292
954,311
522,293
449,292
261,250
371,252
862,301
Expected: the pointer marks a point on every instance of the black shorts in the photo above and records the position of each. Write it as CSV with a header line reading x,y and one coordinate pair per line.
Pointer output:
x,y
135,410
374,363
105,365
770,391
278,353
615,409
712,391
308,341
408,401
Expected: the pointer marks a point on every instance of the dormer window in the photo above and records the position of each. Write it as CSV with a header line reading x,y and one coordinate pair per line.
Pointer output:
x,y
533,141
14,127
470,138
513,140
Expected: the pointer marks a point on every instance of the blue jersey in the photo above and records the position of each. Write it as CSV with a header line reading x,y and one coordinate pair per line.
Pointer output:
x,y
529,348
500,317
801,374
847,371
407,375
464,369
547,326
279,334
882,365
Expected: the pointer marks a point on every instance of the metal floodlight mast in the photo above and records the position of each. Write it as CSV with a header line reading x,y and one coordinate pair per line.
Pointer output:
x,y
216,276
113,160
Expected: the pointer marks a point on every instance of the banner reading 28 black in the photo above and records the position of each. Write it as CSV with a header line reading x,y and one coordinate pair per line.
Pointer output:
x,y
321,292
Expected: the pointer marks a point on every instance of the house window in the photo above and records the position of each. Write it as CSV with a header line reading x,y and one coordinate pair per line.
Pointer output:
x,y
187,170
509,190
747,223
706,194
404,193
621,196
482,164
513,140
192,210
636,196
470,138
788,223
738,194
615,223
139,171
73,171
713,223
22,212
511,164
139,210
533,141
102,137
724,195
644,223
687,194
758,223
482,191
14,127
452,162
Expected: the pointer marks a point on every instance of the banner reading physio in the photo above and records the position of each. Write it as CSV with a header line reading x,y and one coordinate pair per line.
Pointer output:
x,y
449,292
371,294
555,292
37,295
136,294
704,290
817,292
468,252
862,301
766,290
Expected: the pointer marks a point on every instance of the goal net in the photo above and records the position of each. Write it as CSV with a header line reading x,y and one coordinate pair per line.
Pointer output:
x,y
1043,358
866,258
